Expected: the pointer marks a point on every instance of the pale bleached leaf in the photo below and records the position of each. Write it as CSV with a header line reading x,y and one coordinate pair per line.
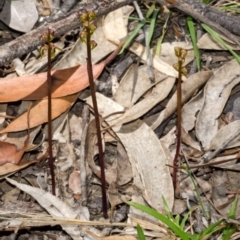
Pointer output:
x,y
207,42
53,205
168,54
190,110
158,93
216,94
19,15
115,24
134,84
225,133
146,153
189,141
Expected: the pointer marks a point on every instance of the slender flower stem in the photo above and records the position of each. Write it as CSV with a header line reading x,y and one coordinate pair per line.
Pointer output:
x,y
181,54
49,82
97,120
179,123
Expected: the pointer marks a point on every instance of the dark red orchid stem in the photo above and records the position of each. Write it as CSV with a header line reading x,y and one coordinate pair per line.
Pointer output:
x,y
98,125
179,122
49,82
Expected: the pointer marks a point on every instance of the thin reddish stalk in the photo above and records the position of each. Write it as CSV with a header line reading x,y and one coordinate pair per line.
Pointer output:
x,y
98,125
49,82
179,123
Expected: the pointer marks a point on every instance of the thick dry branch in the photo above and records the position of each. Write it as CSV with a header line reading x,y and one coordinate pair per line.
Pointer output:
x,y
223,23
29,41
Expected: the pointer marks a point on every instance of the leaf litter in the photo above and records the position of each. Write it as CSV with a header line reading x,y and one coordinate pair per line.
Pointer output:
x,y
138,168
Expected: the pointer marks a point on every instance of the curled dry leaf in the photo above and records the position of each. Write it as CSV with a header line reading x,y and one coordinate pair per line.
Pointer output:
x,y
9,152
91,139
9,168
124,169
216,94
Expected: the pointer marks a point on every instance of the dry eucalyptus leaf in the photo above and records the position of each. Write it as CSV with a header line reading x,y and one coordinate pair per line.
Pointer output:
x,y
134,84
168,53
146,153
52,205
190,110
216,94
225,133
221,182
19,15
158,63
159,93
189,141
114,197
106,106
65,82
59,105
207,42
8,168
124,168
115,24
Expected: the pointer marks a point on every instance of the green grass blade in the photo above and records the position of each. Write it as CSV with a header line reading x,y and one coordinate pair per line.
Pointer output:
x,y
220,40
160,40
231,227
140,233
150,11
179,232
168,212
212,229
229,231
233,209
197,192
132,36
182,225
152,27
177,220
194,41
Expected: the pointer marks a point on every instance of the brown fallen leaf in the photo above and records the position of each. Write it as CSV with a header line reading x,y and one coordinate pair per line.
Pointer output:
x,y
10,168
9,152
65,82
39,115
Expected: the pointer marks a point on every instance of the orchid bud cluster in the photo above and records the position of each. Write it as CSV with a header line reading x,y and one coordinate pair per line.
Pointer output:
x,y
88,28
47,38
181,54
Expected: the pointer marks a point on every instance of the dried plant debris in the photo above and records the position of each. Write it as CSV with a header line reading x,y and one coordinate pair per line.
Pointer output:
x,y
138,123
